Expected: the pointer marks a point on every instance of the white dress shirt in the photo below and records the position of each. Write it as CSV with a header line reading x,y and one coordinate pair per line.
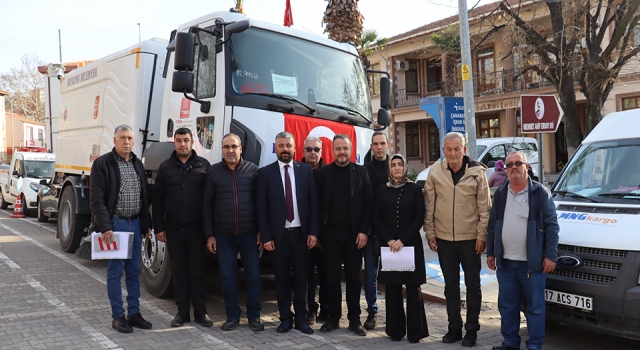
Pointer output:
x,y
292,177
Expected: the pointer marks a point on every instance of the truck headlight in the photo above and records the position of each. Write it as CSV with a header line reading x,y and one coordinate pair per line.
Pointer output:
x,y
35,186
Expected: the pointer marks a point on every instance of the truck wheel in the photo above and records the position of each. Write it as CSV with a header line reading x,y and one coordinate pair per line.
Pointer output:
x,y
25,210
156,268
41,216
3,203
70,225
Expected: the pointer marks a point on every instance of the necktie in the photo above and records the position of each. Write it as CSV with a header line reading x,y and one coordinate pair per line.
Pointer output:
x,y
288,194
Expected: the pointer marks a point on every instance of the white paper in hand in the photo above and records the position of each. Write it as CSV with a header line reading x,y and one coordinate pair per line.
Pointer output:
x,y
400,261
121,248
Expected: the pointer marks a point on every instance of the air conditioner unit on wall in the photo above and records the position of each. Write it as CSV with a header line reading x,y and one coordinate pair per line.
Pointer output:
x,y
402,65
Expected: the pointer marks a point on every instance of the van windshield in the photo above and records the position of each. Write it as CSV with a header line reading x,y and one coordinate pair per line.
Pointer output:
x,y
264,62
608,169
39,169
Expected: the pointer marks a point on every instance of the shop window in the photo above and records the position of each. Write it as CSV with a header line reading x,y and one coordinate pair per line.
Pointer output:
x,y
489,127
630,103
411,77
434,142
413,140
375,83
205,126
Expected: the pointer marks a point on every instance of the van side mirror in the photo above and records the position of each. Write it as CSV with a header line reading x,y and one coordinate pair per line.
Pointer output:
x,y
385,93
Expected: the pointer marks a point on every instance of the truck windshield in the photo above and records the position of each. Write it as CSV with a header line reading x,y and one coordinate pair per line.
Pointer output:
x,y
608,169
39,169
264,62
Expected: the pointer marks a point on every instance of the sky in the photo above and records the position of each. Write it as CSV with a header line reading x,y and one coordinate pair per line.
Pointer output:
x,y
95,28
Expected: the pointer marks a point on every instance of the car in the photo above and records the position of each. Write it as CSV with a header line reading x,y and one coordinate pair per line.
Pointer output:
x,y
490,150
47,200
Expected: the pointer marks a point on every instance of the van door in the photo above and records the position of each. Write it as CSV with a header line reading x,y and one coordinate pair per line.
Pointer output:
x,y
17,172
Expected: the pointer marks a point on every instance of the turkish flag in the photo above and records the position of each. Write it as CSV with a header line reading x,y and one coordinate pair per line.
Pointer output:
x,y
302,127
288,16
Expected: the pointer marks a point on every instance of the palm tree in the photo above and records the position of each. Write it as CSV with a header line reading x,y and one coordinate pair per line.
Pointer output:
x,y
343,22
448,42
369,39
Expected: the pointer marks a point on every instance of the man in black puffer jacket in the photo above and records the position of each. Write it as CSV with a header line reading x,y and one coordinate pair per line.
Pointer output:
x,y
231,227
177,218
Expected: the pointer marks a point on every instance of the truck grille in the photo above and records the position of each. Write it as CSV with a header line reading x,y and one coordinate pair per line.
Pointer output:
x,y
598,265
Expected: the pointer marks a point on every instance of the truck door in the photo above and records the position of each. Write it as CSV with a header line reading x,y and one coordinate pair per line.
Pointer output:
x,y
17,171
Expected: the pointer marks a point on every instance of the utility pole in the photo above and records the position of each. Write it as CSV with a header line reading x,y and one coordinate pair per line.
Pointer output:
x,y
139,36
467,80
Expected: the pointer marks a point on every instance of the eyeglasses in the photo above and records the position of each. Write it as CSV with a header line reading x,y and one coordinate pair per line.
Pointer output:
x,y
316,149
517,164
228,147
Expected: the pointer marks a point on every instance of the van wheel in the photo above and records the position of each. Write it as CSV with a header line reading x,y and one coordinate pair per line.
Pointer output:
x,y
70,225
25,210
3,203
41,216
156,268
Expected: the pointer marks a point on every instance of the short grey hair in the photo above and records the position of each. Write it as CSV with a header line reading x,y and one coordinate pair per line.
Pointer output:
x,y
231,135
313,138
524,156
455,135
285,135
123,127
342,137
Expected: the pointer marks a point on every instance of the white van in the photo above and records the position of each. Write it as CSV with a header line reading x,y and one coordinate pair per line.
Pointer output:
x,y
24,178
596,284
490,150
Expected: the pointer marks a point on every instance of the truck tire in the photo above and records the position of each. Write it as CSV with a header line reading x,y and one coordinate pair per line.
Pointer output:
x,y
25,210
41,216
156,268
70,225
3,203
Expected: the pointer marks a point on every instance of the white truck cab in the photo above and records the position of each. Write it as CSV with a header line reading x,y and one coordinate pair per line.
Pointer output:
x,y
596,283
23,179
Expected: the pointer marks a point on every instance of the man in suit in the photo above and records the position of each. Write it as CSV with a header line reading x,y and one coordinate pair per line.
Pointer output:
x,y
345,212
287,202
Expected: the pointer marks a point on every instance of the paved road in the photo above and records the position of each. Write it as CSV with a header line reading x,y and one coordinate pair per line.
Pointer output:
x,y
52,300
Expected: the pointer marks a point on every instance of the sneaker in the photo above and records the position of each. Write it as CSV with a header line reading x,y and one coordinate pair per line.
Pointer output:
x,y
372,321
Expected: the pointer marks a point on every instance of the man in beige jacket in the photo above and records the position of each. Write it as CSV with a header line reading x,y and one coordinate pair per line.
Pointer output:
x,y
458,202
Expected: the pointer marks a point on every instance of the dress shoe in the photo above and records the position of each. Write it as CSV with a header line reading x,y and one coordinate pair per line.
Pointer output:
x,y
357,329
203,320
323,316
230,324
470,338
139,322
256,325
121,325
372,321
396,338
180,320
414,341
311,317
329,326
304,328
504,346
285,326
452,336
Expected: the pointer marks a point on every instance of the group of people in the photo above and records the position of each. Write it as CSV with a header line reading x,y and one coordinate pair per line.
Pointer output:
x,y
310,215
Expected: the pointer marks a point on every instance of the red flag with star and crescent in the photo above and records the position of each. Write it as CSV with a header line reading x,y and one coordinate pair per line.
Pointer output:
x,y
288,16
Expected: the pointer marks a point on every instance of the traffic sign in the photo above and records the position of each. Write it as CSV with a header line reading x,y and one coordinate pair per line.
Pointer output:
x,y
466,72
540,113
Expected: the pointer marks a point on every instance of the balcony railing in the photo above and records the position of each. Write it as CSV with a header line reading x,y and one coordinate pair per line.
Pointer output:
x,y
494,83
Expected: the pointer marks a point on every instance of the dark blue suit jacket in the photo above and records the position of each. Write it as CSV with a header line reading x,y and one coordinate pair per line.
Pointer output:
x,y
270,201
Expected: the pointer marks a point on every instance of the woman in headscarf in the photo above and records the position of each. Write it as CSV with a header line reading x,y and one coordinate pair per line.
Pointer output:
x,y
499,176
397,218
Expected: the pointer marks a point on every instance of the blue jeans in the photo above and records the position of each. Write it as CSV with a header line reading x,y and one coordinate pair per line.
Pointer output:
x,y
228,248
370,277
131,268
513,280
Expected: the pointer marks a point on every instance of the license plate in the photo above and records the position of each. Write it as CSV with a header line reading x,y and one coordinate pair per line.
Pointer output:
x,y
573,300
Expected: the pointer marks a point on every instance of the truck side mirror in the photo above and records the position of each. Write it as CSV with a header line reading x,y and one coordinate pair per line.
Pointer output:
x,y
385,94
185,51
237,27
182,82
384,117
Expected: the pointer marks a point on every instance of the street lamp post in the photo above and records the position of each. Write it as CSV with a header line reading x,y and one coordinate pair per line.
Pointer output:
x,y
139,36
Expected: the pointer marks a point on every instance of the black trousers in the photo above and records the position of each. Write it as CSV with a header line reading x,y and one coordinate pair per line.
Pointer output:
x,y
187,251
451,255
291,254
414,323
316,261
339,247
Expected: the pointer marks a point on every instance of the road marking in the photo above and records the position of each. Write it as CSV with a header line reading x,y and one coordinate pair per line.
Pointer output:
x,y
10,239
166,316
95,335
